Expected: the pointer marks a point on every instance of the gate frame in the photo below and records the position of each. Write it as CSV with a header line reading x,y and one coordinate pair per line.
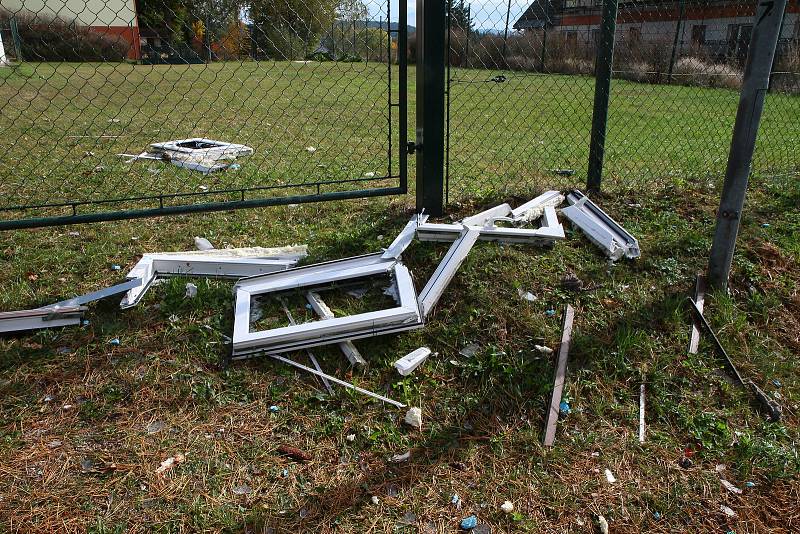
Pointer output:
x,y
401,33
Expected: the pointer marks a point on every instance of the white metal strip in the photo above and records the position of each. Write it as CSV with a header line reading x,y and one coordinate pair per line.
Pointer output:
x,y
100,294
16,321
600,228
532,209
337,381
348,349
404,238
446,270
318,329
486,217
317,269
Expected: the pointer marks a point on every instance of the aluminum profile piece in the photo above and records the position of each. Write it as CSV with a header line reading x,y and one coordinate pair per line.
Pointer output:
x,y
446,269
535,208
212,264
50,317
404,238
600,228
550,230
405,316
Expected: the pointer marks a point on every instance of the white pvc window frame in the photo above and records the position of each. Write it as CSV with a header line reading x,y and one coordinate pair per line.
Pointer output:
x,y
405,316
220,148
550,230
154,266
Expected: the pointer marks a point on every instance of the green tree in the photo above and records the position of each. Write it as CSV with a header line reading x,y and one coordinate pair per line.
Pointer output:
x,y
460,16
285,29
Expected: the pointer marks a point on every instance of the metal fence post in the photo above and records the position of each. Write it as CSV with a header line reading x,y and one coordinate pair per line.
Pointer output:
x,y
678,30
602,94
16,38
431,33
748,116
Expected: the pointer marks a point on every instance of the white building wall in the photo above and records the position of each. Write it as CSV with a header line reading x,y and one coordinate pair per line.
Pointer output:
x,y
716,29
84,12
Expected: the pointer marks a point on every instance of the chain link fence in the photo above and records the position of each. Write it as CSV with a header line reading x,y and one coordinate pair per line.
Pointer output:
x,y
521,93
314,87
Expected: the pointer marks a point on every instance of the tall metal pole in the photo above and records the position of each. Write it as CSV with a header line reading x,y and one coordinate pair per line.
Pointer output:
x,y
505,33
602,94
748,116
544,49
678,28
431,33
469,31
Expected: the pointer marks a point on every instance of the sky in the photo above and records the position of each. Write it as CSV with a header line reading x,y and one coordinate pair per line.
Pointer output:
x,y
486,14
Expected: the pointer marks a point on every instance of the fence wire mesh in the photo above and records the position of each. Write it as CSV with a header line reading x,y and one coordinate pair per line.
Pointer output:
x,y
521,91
314,87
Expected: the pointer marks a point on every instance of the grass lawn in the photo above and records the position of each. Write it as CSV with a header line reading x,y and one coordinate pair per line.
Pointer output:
x,y
84,423
327,122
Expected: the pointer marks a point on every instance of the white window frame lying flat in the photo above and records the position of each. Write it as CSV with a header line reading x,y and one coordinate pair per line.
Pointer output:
x,y
16,321
154,266
551,230
222,148
600,228
406,316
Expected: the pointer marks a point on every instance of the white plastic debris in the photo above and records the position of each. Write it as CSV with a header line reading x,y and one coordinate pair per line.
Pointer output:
x,y
201,243
727,511
406,365
602,524
244,489
311,149
470,350
730,487
526,295
350,437
610,476
543,349
414,417
169,463
375,499
507,507
398,458
191,291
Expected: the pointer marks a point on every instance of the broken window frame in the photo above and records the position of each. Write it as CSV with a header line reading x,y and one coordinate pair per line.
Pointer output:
x,y
154,266
549,231
221,148
405,316
446,270
600,228
50,317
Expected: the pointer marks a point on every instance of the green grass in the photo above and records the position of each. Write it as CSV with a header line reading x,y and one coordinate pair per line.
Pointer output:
x,y
92,467
65,123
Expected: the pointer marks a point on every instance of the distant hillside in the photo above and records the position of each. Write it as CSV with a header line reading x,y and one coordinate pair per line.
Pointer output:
x,y
394,26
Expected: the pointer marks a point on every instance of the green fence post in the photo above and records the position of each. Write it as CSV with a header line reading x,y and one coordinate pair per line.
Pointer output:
x,y
602,94
431,33
755,84
675,41
16,38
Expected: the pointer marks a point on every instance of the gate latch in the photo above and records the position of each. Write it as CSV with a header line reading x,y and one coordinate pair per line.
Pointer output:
x,y
412,147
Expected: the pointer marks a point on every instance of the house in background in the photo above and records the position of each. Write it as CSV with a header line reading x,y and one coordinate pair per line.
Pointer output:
x,y
115,18
721,28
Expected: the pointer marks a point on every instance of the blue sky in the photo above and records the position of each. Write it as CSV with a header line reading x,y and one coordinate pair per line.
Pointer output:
x,y
486,14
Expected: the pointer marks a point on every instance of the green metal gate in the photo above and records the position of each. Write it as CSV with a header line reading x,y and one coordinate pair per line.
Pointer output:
x,y
325,115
